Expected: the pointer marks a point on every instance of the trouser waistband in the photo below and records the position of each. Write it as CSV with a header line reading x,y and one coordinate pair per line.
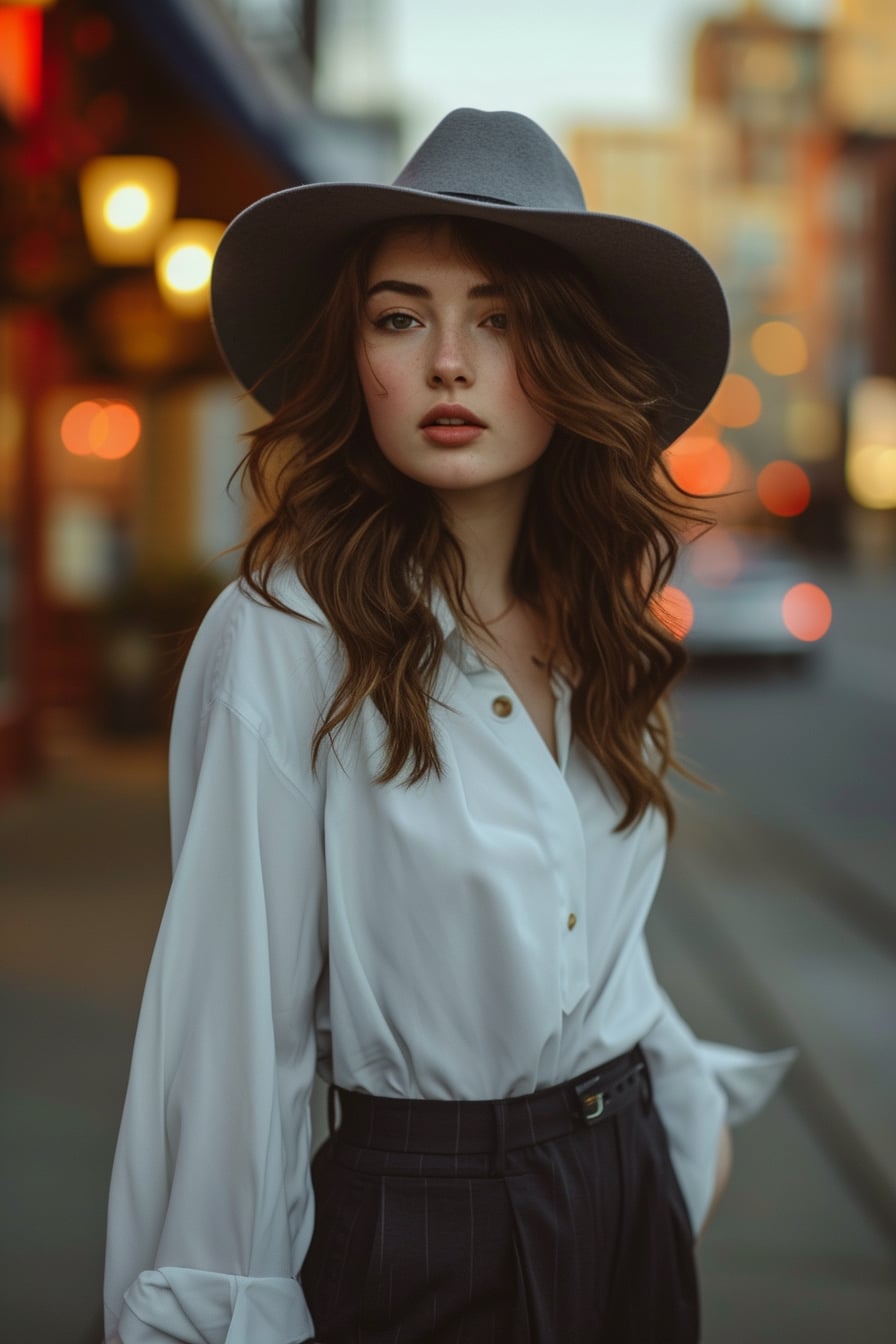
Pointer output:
x,y
409,1125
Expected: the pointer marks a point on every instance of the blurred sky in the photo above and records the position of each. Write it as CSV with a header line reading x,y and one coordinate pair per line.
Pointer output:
x,y
557,60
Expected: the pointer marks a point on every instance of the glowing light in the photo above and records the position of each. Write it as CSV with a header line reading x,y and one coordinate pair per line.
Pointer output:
x,y
871,475
107,429
779,348
674,610
188,268
699,464
21,56
716,559
871,443
184,263
784,489
807,612
116,430
813,430
737,403
127,207
75,428
127,202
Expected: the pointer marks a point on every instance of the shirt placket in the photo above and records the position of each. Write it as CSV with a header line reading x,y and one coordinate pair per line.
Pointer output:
x,y
555,816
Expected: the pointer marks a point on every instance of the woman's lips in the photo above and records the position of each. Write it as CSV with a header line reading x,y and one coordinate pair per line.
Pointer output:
x,y
451,425
452,436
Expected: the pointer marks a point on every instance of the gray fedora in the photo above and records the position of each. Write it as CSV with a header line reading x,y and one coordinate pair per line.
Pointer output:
x,y
274,261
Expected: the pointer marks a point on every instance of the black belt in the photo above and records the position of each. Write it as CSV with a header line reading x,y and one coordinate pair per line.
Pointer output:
x,y
396,1124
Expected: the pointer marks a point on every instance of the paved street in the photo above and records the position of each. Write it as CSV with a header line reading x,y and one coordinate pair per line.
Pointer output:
x,y
775,924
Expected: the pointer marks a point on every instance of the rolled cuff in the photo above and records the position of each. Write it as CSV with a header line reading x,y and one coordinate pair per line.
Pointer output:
x,y
728,1086
193,1306
746,1078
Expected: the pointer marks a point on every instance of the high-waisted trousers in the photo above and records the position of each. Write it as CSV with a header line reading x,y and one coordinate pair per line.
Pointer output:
x,y
552,1218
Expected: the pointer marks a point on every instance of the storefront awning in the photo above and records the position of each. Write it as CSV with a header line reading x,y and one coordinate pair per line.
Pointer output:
x,y
201,47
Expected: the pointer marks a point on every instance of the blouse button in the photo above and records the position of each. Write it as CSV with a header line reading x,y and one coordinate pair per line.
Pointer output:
x,y
502,705
571,922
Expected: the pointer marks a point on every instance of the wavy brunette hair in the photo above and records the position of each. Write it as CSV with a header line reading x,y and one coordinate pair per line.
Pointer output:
x,y
597,542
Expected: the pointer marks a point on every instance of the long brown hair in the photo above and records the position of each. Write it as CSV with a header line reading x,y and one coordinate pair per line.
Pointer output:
x,y
597,544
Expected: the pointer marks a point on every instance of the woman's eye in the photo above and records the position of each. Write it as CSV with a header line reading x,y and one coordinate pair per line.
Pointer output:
x,y
498,321
395,322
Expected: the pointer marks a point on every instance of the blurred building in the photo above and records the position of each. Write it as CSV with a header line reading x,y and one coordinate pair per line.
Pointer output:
x,y
118,426
860,72
782,174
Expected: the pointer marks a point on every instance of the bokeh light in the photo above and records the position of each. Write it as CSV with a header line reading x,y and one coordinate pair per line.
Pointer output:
x,y
127,207
813,429
107,429
184,264
127,202
871,475
807,612
784,488
779,348
188,268
675,610
737,403
699,464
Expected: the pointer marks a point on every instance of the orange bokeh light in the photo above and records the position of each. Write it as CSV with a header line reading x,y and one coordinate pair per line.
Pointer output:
x,y
75,428
779,348
107,429
737,402
675,610
807,612
784,488
699,464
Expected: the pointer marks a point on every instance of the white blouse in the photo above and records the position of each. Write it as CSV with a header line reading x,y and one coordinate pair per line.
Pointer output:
x,y
404,941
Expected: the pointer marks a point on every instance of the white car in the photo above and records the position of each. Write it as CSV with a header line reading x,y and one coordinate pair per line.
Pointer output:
x,y
740,595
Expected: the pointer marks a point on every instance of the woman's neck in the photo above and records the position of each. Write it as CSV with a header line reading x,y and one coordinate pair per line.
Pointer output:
x,y
486,528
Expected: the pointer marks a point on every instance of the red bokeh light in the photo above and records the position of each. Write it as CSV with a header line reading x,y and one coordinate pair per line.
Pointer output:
x,y
675,610
92,35
807,612
784,489
21,61
699,464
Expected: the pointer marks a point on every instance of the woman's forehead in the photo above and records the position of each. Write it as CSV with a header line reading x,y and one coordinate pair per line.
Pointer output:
x,y
421,245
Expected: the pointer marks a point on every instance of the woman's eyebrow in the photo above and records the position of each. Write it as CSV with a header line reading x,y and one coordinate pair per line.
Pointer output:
x,y
486,291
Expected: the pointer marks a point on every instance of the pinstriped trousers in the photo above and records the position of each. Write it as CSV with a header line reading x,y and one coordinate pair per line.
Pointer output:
x,y
580,1239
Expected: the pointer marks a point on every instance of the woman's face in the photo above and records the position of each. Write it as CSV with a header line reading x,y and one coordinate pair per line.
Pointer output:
x,y
437,372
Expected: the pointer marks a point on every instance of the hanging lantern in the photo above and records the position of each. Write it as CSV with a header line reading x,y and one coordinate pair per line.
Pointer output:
x,y
184,264
127,202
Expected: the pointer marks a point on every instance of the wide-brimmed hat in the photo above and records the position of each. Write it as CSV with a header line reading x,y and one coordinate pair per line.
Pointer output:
x,y
276,259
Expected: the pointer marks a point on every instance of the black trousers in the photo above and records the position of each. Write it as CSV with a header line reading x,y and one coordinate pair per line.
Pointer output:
x,y
549,1219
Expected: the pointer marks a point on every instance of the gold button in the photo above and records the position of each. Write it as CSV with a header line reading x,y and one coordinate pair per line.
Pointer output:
x,y
571,922
502,705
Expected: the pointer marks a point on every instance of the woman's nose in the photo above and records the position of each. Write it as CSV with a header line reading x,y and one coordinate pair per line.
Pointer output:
x,y
450,360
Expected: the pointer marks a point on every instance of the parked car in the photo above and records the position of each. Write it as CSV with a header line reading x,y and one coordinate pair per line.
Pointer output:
x,y
743,595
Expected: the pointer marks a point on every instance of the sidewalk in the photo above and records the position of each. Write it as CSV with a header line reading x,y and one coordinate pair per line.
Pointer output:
x,y
83,875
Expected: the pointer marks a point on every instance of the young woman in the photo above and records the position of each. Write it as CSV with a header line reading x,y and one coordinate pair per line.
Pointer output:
x,y
418,793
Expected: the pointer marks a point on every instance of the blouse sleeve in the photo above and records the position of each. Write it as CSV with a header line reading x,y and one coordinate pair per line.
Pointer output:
x,y
210,1206
698,1087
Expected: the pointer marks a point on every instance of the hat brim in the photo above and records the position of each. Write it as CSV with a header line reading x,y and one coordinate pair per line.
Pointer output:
x,y
275,260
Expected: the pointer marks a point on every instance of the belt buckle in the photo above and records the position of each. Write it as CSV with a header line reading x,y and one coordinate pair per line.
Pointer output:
x,y
591,1102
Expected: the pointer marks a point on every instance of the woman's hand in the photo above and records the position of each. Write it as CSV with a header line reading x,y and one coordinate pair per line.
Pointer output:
x,y
723,1175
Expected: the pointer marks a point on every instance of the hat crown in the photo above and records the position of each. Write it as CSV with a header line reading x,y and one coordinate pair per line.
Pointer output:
x,y
501,157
